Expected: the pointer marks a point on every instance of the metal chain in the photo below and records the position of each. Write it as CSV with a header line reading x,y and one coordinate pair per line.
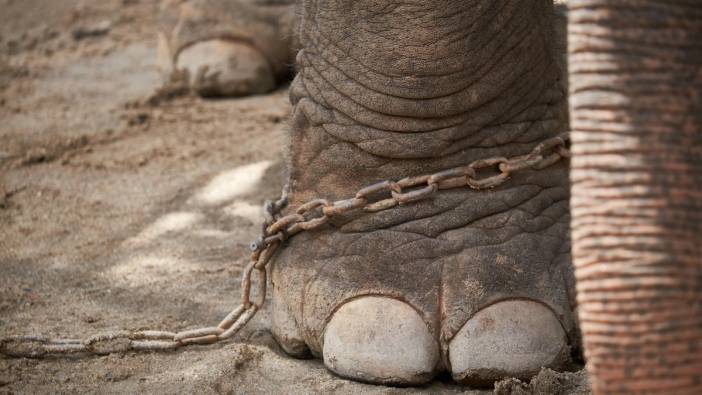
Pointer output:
x,y
276,230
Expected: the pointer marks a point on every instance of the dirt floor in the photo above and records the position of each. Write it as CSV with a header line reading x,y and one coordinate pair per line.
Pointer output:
x,y
117,211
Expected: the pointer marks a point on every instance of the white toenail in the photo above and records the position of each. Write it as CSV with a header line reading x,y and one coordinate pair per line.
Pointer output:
x,y
513,338
380,339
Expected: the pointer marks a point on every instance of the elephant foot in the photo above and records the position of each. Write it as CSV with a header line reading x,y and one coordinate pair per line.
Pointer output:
x,y
401,324
225,48
475,283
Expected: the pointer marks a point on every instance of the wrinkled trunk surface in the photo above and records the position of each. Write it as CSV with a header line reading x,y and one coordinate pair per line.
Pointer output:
x,y
636,112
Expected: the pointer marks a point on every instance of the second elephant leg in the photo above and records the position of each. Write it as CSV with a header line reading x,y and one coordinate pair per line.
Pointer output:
x,y
474,282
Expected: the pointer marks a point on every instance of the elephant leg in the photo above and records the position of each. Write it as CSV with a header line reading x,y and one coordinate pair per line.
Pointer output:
x,y
226,47
475,282
636,112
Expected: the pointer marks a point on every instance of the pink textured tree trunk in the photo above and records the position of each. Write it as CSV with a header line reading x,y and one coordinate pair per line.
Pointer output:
x,y
636,113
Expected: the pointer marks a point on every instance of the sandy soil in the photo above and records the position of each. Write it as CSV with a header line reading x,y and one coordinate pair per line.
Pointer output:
x,y
116,213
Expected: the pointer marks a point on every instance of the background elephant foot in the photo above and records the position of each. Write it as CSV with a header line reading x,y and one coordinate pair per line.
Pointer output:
x,y
226,47
225,68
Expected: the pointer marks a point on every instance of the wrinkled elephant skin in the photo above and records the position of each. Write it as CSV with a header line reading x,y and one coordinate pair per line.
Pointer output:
x,y
476,283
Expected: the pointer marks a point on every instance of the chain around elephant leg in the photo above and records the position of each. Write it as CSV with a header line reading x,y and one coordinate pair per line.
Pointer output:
x,y
479,174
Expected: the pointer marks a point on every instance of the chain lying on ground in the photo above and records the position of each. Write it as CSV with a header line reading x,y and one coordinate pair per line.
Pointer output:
x,y
276,230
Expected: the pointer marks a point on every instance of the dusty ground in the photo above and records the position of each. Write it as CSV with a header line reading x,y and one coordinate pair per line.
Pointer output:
x,y
116,213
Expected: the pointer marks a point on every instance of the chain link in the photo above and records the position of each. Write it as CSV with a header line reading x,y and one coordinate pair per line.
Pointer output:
x,y
276,230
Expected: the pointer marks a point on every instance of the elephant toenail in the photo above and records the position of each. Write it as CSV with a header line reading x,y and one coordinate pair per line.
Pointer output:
x,y
513,338
380,340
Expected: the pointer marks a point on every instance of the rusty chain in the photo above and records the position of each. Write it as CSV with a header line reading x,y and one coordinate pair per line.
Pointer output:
x,y
276,230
